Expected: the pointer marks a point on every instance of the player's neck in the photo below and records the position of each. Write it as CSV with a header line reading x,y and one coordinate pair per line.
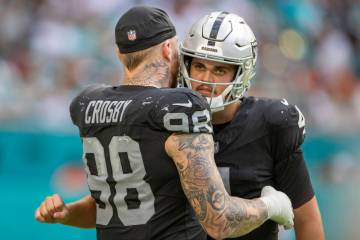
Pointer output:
x,y
225,115
154,73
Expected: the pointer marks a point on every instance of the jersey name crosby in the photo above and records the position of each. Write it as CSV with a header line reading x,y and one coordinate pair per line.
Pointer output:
x,y
99,111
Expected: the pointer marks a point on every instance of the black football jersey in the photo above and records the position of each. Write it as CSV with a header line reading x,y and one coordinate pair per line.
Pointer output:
x,y
259,147
135,184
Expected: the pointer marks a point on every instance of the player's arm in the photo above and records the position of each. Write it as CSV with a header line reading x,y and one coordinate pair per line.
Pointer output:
x,y
81,213
295,180
308,223
221,215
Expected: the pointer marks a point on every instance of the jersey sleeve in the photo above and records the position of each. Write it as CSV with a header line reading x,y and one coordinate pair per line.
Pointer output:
x,y
287,127
287,130
181,110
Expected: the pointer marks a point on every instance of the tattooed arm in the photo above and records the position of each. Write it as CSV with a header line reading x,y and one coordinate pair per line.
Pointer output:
x,y
221,215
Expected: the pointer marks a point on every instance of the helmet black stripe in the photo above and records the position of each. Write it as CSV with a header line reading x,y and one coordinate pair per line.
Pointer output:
x,y
216,26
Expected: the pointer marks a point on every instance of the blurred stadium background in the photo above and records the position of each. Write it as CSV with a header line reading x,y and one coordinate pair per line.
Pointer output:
x,y
51,49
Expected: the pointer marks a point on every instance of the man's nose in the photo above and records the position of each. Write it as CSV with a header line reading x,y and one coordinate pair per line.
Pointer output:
x,y
206,76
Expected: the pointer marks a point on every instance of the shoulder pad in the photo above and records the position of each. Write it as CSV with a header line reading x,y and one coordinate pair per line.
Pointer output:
x,y
78,102
93,90
279,113
182,110
174,95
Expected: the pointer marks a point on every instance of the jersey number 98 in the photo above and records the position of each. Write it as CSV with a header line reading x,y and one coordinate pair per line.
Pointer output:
x,y
179,122
121,180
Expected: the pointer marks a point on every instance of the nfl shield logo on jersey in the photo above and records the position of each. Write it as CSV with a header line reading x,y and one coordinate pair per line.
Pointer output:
x,y
131,35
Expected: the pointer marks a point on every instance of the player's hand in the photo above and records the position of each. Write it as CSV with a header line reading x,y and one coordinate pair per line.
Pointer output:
x,y
52,210
279,206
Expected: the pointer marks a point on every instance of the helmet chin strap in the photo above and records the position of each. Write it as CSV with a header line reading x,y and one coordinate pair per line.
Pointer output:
x,y
217,103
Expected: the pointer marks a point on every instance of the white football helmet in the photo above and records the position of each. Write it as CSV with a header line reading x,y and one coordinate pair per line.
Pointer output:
x,y
222,37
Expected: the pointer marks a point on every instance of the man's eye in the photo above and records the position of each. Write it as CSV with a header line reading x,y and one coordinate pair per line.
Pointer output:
x,y
199,67
219,72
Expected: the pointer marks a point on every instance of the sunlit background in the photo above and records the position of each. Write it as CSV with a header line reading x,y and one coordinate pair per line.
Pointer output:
x,y
51,49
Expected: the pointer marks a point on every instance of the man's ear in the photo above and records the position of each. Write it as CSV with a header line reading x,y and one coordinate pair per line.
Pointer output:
x,y
166,50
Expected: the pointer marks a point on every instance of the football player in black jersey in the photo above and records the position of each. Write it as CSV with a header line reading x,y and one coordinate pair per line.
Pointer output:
x,y
133,134
257,140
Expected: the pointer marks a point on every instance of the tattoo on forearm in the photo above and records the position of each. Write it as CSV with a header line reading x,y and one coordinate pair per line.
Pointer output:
x,y
247,215
216,198
198,201
205,191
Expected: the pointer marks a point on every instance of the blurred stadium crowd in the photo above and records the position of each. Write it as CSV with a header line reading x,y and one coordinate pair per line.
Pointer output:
x,y
309,53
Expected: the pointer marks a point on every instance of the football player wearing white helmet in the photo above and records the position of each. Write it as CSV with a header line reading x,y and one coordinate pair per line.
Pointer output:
x,y
257,140
224,39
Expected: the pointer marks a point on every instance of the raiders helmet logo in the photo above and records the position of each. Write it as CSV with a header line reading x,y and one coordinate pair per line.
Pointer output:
x,y
131,35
